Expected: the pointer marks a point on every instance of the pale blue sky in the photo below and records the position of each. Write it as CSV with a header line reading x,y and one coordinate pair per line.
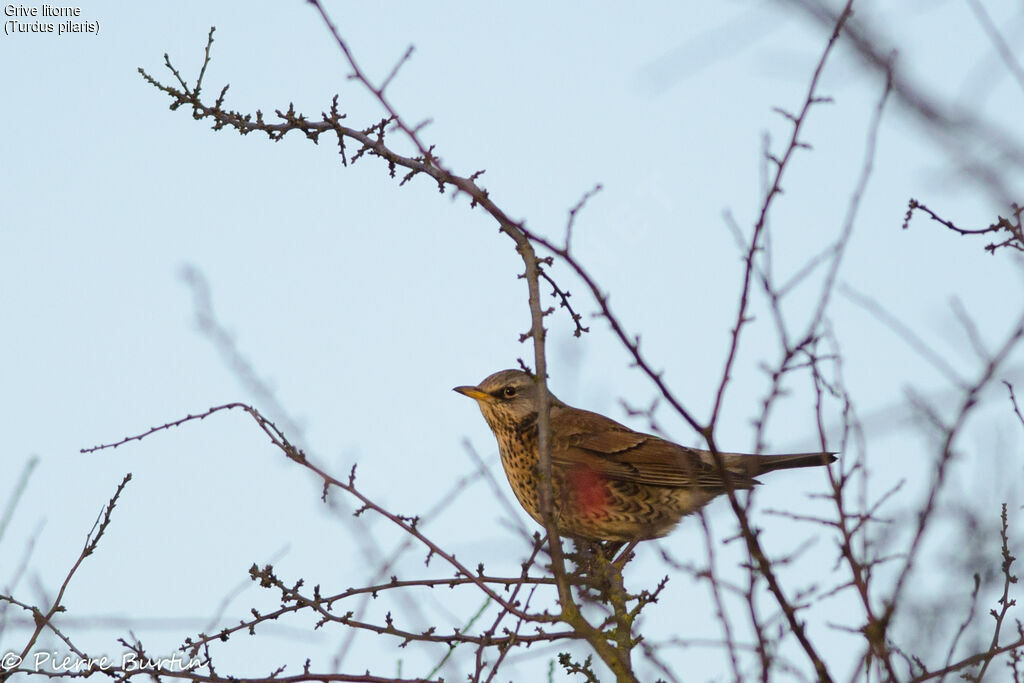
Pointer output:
x,y
362,303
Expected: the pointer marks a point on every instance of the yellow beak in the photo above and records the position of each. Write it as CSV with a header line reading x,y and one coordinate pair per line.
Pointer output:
x,y
474,393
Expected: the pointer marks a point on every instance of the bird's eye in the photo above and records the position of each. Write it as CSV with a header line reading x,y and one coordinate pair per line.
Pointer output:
x,y
508,392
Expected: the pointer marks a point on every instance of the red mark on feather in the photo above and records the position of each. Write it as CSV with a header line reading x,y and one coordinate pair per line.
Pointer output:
x,y
591,493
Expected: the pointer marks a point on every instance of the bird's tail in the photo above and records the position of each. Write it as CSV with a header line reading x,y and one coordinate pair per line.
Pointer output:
x,y
753,465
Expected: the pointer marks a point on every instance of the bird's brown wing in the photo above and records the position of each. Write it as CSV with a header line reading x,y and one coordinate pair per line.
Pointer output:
x,y
617,452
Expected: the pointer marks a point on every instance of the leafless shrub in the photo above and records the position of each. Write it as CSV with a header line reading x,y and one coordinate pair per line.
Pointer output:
x,y
562,598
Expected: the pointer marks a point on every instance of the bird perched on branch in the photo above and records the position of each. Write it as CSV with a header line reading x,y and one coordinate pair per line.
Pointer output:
x,y
610,483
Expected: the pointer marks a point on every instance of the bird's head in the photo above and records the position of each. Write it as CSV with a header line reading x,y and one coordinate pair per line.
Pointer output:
x,y
507,397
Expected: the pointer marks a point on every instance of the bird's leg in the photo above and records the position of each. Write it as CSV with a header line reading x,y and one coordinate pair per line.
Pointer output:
x,y
593,573
610,548
624,556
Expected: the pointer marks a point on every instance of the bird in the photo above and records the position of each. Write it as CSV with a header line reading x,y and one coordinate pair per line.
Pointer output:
x,y
610,483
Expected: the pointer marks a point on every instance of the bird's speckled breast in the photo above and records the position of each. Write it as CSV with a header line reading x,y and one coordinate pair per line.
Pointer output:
x,y
587,504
